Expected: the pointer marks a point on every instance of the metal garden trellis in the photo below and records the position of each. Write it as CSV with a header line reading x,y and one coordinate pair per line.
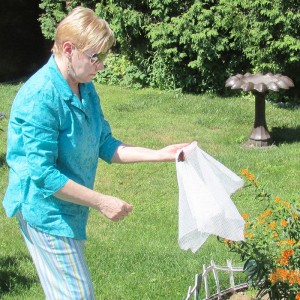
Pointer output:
x,y
200,279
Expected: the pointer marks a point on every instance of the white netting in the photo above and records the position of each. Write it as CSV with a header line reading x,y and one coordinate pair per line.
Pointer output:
x,y
205,206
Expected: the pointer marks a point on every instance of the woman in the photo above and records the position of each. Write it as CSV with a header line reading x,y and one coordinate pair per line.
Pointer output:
x,y
56,135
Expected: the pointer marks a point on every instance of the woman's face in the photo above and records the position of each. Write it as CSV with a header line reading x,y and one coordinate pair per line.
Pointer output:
x,y
85,65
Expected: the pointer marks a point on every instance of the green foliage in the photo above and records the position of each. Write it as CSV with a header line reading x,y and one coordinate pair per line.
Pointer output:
x,y
267,34
120,71
114,71
196,45
54,11
271,27
271,251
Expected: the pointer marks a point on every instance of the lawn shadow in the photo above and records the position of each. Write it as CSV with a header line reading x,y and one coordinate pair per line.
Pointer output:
x,y
2,159
11,279
288,135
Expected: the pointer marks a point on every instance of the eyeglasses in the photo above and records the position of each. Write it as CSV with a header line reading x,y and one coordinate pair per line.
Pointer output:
x,y
97,57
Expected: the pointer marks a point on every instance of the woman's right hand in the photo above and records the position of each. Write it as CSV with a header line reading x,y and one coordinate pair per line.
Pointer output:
x,y
114,208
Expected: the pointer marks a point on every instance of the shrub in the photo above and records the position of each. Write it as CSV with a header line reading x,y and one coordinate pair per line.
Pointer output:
x,y
114,71
120,71
271,250
196,45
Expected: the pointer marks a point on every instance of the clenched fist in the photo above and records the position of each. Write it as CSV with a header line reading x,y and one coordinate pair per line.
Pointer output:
x,y
114,208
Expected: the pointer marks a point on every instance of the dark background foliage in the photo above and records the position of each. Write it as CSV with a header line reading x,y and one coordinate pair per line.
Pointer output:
x,y
22,45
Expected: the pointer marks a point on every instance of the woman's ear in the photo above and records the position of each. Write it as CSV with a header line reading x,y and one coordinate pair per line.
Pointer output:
x,y
68,49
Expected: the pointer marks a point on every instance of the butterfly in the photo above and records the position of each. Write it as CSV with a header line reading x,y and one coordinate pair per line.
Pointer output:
x,y
181,156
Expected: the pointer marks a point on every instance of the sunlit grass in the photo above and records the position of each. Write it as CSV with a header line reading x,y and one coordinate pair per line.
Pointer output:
x,y
139,258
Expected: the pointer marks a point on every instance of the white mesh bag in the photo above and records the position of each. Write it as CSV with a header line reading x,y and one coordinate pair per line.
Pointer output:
x,y
205,206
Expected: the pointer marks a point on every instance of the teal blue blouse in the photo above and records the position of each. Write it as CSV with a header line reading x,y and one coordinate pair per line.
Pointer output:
x,y
53,137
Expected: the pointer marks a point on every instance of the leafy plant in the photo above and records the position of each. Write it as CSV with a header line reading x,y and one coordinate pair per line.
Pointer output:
x,y
195,46
114,71
271,250
120,71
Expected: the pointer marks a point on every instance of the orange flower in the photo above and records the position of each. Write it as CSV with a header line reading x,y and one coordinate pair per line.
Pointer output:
x,y
272,278
286,204
248,235
287,242
292,278
297,296
277,199
250,177
228,242
268,212
288,253
283,223
244,171
261,221
284,261
272,224
279,275
245,216
283,274
291,242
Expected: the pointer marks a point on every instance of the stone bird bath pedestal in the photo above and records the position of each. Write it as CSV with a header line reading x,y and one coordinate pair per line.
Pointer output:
x,y
259,84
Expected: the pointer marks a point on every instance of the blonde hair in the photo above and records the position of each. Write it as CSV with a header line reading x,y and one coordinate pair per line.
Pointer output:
x,y
85,29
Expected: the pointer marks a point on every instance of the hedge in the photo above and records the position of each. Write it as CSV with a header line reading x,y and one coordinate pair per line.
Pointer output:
x,y
194,46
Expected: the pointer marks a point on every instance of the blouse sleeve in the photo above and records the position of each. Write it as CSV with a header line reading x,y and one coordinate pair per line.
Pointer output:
x,y
40,136
108,143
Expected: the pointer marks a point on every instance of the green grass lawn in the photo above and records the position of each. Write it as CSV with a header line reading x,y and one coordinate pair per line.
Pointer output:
x,y
139,258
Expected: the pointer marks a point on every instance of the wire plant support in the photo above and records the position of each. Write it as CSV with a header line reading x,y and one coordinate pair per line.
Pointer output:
x,y
200,279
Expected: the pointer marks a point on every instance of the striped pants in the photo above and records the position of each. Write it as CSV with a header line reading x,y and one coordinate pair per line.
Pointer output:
x,y
60,264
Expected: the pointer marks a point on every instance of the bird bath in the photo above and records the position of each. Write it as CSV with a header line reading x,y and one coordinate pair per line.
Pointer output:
x,y
259,84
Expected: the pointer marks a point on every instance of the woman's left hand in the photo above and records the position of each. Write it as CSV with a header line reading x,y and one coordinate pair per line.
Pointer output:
x,y
169,153
132,154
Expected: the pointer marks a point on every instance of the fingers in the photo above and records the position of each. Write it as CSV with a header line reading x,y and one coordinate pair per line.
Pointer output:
x,y
180,146
118,216
169,153
114,208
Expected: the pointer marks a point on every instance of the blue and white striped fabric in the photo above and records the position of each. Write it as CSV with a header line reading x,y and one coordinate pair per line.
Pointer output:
x,y
60,264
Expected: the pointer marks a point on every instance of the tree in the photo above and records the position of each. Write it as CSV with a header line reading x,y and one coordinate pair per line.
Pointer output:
x,y
196,45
